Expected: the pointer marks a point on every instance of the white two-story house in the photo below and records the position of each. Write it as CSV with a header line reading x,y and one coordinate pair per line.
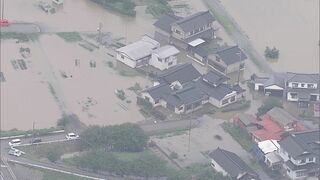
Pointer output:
x,y
300,154
164,57
302,88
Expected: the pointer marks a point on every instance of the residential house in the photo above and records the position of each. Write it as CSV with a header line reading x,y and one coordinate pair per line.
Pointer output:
x,y
183,89
267,130
164,57
300,153
230,164
247,122
284,119
270,84
302,88
227,60
138,53
181,31
269,150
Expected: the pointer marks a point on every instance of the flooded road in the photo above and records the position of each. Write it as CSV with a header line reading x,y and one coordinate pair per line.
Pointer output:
x,y
292,26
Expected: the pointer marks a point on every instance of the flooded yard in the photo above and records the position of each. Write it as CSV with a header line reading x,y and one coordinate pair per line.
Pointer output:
x,y
86,91
292,26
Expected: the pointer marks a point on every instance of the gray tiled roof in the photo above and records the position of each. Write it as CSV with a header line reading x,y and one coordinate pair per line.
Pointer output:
x,y
231,163
165,21
182,73
215,78
218,92
297,144
231,55
247,119
306,78
156,92
195,21
281,116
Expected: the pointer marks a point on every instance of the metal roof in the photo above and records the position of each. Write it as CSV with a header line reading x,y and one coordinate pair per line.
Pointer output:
x,y
166,51
139,49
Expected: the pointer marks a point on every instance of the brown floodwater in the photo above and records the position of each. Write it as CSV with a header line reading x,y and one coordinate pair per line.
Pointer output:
x,y
292,26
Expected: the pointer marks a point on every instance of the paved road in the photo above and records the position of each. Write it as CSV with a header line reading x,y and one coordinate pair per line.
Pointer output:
x,y
238,35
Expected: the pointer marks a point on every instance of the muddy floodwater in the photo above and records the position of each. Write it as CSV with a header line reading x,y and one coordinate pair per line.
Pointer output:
x,y
81,15
292,26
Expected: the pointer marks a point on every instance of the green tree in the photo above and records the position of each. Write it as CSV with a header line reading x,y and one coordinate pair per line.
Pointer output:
x,y
54,155
271,53
126,137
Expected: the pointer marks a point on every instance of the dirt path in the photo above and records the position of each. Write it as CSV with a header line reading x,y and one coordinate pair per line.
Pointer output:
x,y
237,34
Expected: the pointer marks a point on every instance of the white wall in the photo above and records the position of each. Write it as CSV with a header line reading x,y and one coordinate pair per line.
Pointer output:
x,y
289,97
218,168
164,64
126,60
300,85
256,86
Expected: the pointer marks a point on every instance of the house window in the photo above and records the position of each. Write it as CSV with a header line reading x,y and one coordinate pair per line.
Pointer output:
x,y
226,101
294,85
294,95
311,86
310,159
300,173
170,63
160,60
233,98
313,97
177,31
122,56
180,108
302,85
303,161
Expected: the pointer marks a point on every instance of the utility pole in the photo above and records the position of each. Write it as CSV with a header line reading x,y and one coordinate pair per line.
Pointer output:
x,y
2,9
192,109
99,29
239,53
33,124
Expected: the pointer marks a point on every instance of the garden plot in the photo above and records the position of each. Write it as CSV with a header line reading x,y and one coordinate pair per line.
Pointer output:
x,y
208,136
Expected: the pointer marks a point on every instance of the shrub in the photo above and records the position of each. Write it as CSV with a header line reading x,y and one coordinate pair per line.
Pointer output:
x,y
54,155
271,53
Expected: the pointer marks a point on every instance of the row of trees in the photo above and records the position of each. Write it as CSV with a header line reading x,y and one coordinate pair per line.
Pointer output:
x,y
126,7
126,137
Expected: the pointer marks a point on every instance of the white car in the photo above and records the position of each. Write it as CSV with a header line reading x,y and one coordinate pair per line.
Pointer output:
x,y
15,152
72,136
15,142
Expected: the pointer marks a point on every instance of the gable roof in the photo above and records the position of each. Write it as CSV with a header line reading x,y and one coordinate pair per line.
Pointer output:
x,y
218,92
139,49
277,79
181,72
195,21
215,78
166,51
165,21
281,116
247,119
230,55
231,163
306,78
300,144
270,130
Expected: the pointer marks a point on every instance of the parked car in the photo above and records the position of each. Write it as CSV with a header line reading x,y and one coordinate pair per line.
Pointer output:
x,y
15,142
36,140
72,136
15,152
